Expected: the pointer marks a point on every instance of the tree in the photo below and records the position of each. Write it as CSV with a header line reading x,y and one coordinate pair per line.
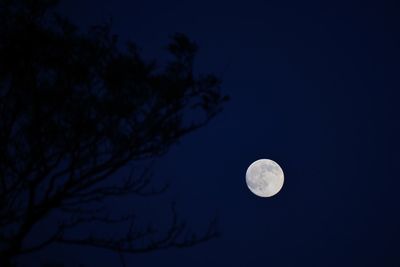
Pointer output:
x,y
75,108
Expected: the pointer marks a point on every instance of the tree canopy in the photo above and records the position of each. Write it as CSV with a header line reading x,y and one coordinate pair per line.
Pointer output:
x,y
76,107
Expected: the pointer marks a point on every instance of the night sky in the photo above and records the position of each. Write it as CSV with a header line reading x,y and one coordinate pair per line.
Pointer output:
x,y
314,86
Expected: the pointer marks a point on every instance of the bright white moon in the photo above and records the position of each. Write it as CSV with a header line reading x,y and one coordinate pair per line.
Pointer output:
x,y
264,178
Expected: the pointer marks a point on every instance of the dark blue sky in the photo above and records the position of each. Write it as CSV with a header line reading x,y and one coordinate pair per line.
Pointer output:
x,y
314,86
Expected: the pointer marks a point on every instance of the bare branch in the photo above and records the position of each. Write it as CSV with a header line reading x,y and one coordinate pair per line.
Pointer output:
x,y
176,236
75,110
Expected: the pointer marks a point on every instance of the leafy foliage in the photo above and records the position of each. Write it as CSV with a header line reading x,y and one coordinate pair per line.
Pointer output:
x,y
74,109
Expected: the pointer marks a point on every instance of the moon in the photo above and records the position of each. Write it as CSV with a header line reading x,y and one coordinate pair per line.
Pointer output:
x,y
264,178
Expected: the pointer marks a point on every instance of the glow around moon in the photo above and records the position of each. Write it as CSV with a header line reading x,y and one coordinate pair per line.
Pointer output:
x,y
264,178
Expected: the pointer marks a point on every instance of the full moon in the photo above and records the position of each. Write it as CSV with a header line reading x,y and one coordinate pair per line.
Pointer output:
x,y
264,178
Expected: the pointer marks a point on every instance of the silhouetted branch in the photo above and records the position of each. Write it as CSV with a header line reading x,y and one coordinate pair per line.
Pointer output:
x,y
75,109
147,240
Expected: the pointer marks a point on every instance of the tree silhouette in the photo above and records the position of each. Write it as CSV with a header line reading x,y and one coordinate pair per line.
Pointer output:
x,y
75,108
